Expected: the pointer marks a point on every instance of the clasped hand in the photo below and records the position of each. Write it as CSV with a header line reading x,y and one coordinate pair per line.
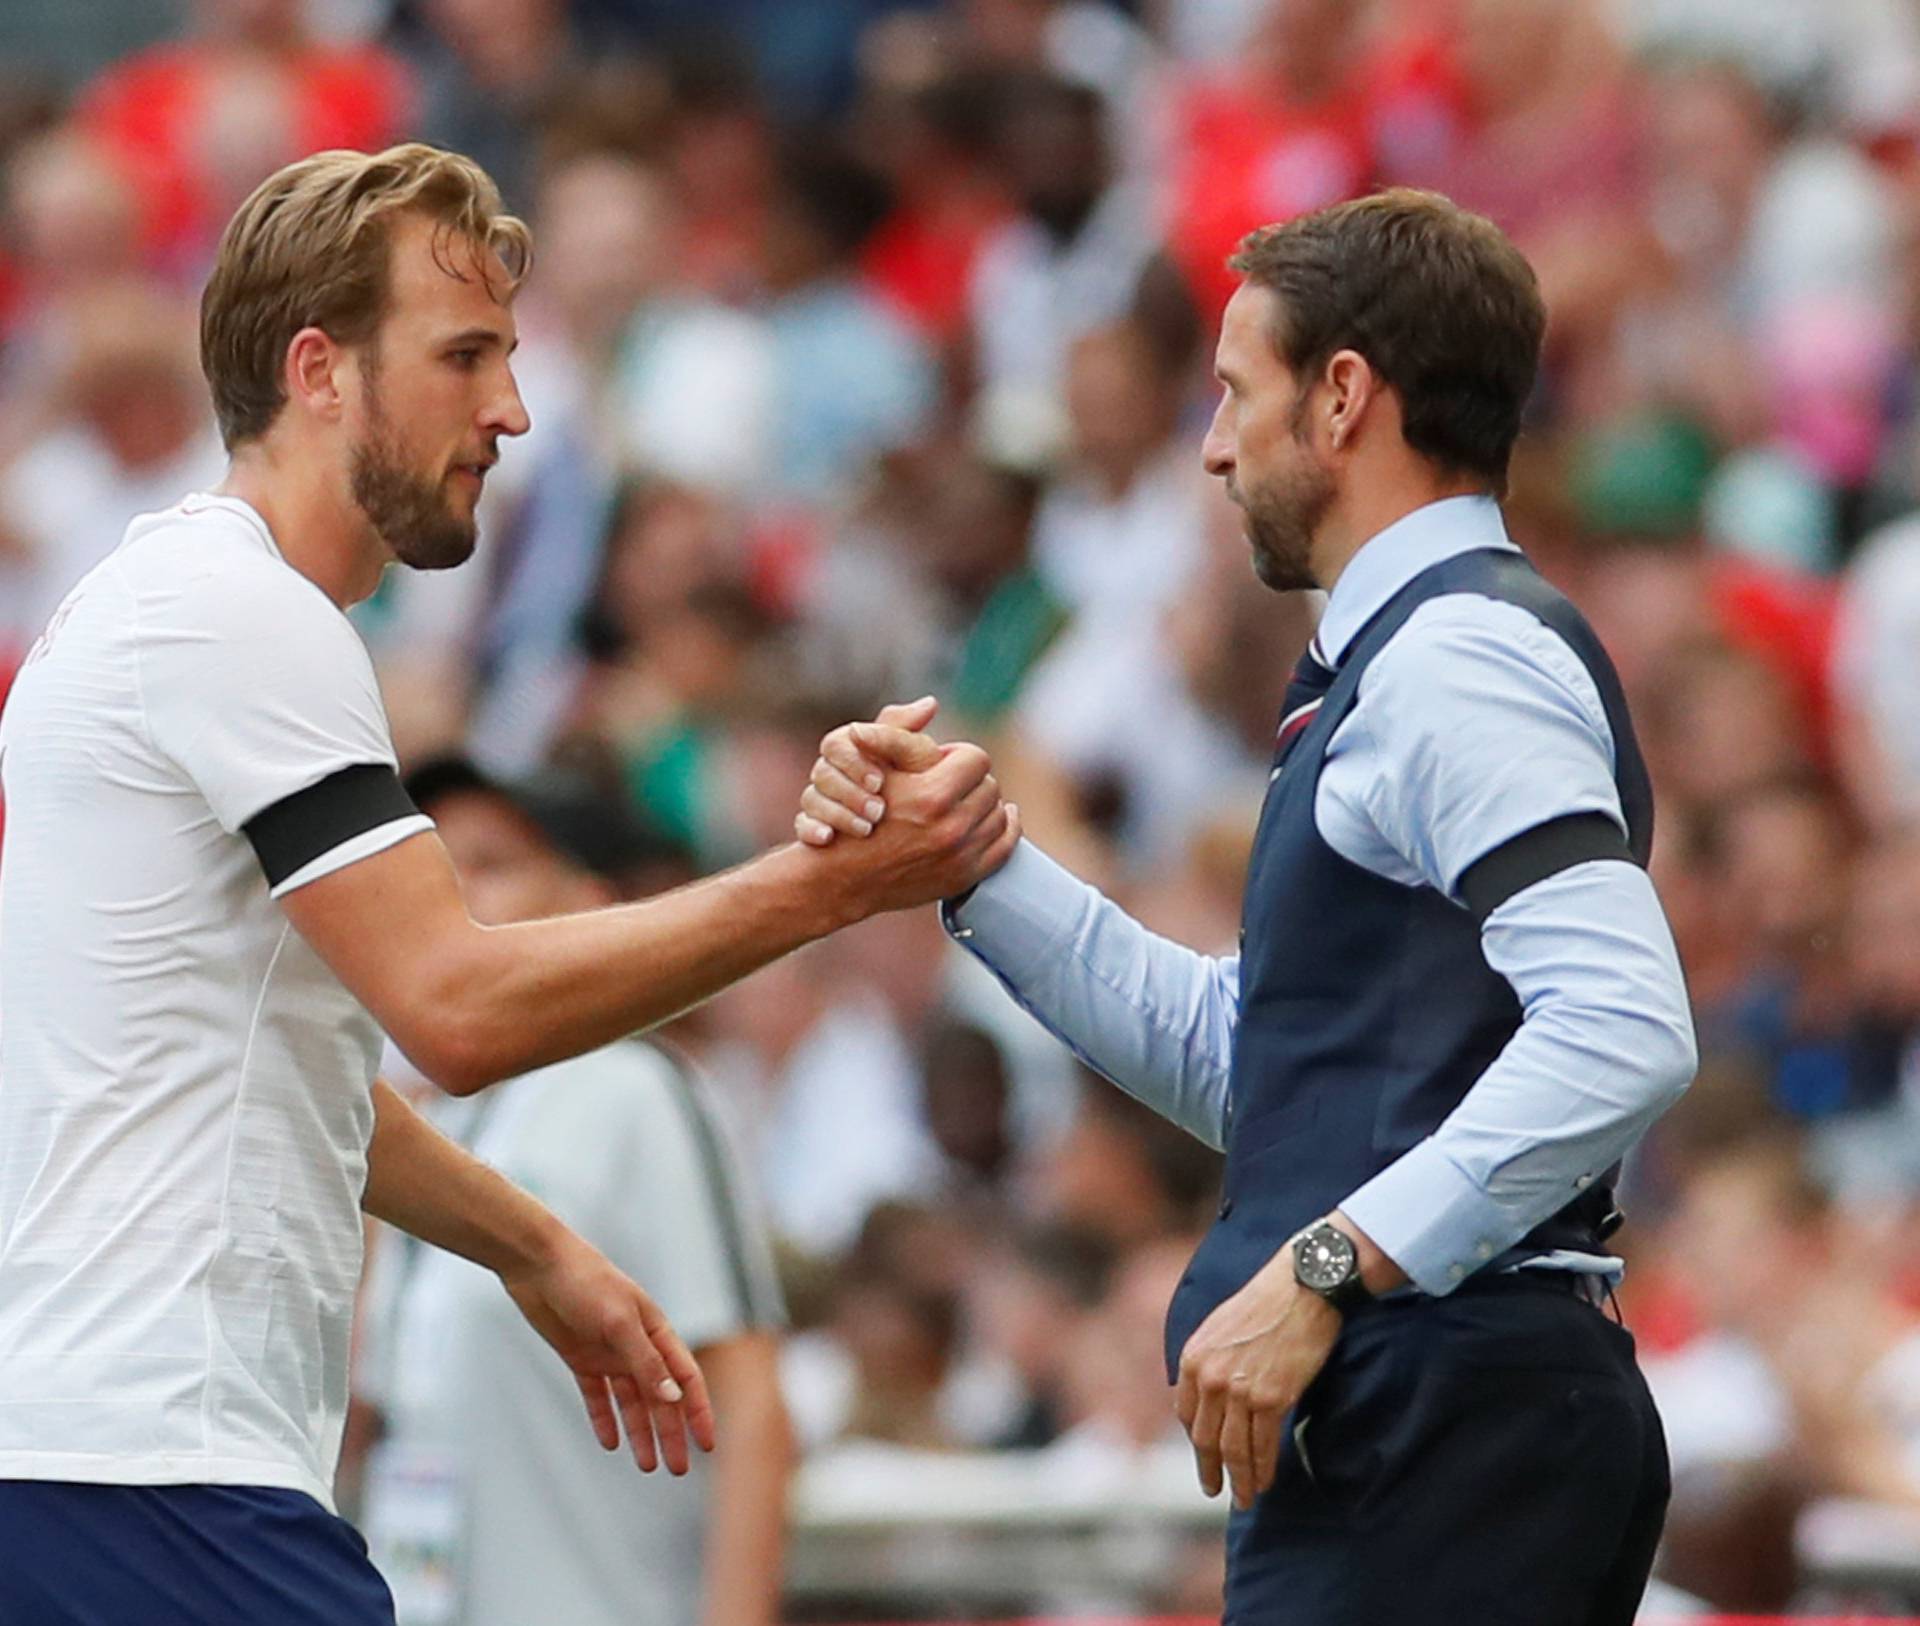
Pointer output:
x,y
929,818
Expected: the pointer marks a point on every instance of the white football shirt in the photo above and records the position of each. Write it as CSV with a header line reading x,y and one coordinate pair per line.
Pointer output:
x,y
185,1088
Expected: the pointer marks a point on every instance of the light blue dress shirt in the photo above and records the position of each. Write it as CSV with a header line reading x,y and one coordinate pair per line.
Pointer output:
x,y
1474,724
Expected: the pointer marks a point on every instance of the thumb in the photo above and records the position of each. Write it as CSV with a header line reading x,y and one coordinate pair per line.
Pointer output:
x,y
911,714
896,747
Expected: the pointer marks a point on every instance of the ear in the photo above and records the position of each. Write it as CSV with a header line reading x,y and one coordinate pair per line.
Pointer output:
x,y
314,374
1351,386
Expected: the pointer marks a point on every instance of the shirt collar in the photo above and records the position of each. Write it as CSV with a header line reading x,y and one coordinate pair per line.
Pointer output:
x,y
1390,559
198,502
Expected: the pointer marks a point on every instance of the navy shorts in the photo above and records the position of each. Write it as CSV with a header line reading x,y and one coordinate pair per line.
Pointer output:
x,y
180,1555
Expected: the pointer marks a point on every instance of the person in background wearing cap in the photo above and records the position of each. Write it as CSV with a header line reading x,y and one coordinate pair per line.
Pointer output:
x,y
483,1505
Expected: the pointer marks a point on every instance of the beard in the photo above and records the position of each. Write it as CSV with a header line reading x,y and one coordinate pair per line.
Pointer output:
x,y
409,512
1281,519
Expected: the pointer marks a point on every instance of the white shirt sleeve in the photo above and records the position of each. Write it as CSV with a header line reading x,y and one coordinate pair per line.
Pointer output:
x,y
256,686
1474,725
1155,1017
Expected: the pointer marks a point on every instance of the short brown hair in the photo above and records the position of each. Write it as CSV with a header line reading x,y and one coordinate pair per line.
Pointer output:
x,y
1438,300
310,247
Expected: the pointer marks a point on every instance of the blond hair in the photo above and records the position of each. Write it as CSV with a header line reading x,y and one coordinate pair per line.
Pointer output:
x,y
309,248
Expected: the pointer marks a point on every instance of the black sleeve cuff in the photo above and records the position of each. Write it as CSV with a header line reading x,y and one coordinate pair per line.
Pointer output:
x,y
297,829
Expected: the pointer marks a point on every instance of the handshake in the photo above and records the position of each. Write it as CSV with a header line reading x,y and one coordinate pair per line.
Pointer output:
x,y
922,821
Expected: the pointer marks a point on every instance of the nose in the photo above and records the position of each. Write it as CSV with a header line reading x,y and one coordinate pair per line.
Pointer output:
x,y
1216,451
508,415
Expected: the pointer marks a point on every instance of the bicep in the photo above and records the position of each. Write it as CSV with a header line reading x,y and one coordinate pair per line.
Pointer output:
x,y
392,927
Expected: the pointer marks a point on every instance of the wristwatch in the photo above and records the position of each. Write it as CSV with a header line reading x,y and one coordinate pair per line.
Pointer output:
x,y
1326,1262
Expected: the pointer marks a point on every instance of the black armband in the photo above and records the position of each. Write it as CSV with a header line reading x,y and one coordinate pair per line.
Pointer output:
x,y
1535,854
310,823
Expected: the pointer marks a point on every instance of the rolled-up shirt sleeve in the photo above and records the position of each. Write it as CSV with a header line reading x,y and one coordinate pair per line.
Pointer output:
x,y
1153,1016
1473,728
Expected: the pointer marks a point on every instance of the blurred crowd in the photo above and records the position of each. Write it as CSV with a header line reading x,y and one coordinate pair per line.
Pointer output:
x,y
867,352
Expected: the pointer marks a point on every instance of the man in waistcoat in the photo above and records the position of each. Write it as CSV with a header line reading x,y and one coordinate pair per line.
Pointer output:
x,y
1456,1003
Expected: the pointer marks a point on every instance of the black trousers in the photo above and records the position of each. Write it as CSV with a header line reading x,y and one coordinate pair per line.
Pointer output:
x,y
1492,1458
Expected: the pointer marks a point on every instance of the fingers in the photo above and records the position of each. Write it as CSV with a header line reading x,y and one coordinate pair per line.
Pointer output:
x,y
1001,846
653,1406
858,803
692,1411
600,1412
695,1403
1186,1397
961,768
1267,1425
670,1423
812,831
976,807
1204,1431
637,1417
894,747
913,715
850,819
1236,1444
842,750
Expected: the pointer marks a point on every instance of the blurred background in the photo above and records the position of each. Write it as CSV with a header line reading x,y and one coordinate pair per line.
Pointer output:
x,y
867,353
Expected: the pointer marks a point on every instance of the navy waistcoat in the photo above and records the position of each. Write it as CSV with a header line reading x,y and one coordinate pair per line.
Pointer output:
x,y
1367,1009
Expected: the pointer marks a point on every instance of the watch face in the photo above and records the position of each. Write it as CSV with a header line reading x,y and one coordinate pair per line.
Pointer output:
x,y
1323,1258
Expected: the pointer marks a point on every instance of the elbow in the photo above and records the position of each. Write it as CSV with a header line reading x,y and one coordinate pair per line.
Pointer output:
x,y
457,1027
452,1052
1672,1057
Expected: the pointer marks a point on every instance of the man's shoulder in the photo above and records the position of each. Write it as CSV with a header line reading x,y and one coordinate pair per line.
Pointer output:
x,y
208,563
1465,652
1467,629
196,537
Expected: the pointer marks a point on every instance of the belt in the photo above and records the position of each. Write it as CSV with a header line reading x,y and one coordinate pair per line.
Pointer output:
x,y
1583,1284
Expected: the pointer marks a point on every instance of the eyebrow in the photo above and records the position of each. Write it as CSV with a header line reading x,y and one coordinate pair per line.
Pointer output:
x,y
482,336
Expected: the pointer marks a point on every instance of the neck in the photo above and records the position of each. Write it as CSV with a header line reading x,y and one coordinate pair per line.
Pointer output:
x,y
314,520
1369,506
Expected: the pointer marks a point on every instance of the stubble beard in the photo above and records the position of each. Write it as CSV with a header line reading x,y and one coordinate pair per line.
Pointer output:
x,y
1282,519
409,512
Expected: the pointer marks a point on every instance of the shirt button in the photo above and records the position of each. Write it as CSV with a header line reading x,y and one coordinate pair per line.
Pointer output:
x,y
1456,1272
1583,1182
1483,1249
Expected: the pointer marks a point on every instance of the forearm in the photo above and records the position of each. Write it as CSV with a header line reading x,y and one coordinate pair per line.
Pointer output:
x,y
1155,1017
421,1182
526,995
1605,1045
752,1467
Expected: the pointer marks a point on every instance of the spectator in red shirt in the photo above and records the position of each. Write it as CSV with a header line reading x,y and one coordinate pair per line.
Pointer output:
x,y
1284,132
198,123
936,141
